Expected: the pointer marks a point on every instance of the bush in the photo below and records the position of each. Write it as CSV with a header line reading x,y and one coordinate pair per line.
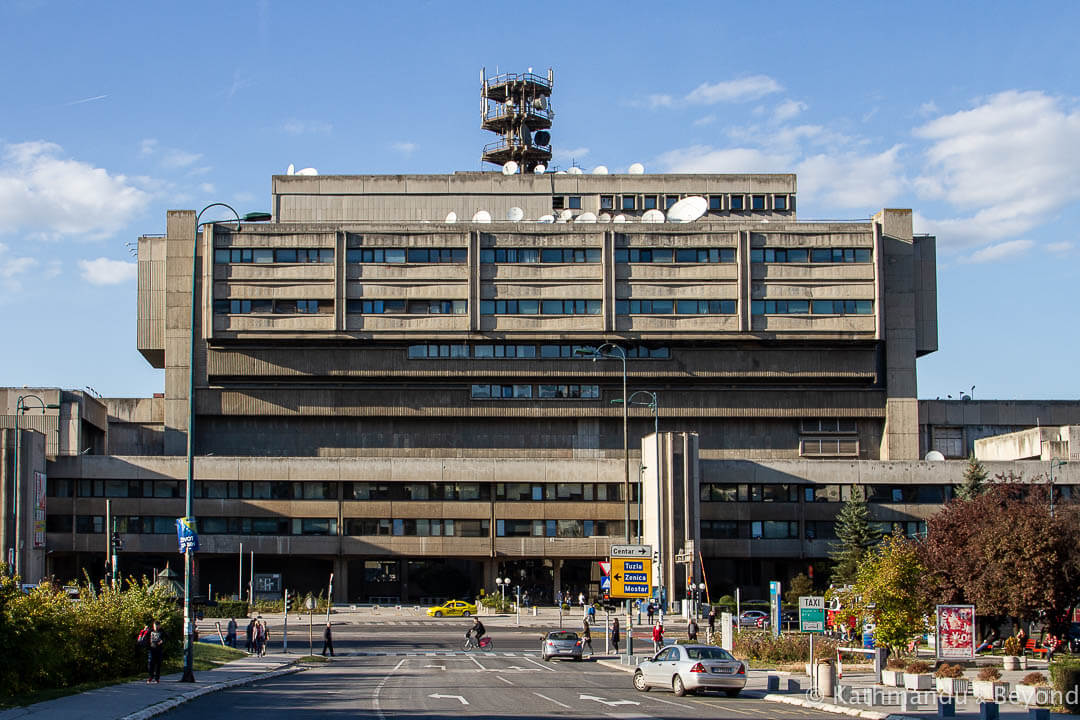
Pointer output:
x,y
1065,675
895,663
225,609
990,674
945,670
789,647
1011,645
917,667
1034,678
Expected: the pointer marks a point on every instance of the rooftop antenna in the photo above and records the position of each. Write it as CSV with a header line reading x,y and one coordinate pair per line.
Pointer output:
x,y
517,107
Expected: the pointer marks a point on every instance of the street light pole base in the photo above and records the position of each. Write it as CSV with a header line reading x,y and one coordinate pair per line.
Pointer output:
x,y
188,676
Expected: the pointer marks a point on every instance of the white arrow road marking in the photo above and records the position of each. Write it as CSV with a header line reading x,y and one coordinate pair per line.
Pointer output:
x,y
562,705
440,667
609,703
504,680
451,697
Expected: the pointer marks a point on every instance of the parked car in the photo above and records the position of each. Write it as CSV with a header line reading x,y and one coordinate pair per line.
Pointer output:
x,y
753,618
691,669
452,608
560,643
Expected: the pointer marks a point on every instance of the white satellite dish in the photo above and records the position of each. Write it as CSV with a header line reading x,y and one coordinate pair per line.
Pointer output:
x,y
510,167
620,218
515,214
307,171
585,217
540,169
688,209
600,170
636,169
653,216
575,171
451,217
291,169
934,456
481,216
604,217
546,218
565,215
560,172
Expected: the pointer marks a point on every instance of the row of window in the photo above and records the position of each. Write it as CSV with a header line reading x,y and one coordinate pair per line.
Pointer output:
x,y
274,255
672,255
810,255
675,307
527,352
541,307
407,307
544,392
66,488
791,492
541,255
166,525
509,492
789,529
279,307
815,307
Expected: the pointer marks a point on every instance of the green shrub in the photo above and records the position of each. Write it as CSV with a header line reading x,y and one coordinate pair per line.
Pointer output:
x,y
788,647
1065,675
225,609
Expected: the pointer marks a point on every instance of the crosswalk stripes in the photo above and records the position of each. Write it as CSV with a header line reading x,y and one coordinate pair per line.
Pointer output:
x,y
435,653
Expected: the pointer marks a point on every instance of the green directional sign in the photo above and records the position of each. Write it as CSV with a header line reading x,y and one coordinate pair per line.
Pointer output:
x,y
811,614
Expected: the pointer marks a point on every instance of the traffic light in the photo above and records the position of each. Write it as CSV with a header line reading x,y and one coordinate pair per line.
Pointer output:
x,y
117,542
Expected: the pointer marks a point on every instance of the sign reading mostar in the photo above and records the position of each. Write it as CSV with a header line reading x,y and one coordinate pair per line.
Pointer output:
x,y
631,571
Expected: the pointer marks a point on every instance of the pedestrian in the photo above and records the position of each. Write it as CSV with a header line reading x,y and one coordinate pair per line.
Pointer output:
x,y
651,610
586,637
251,636
712,621
1051,643
264,637
327,641
581,599
156,644
657,637
692,630
260,637
558,597
615,635
230,633
592,613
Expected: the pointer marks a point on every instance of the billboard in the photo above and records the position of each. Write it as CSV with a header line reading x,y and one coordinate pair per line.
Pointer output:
x,y
955,632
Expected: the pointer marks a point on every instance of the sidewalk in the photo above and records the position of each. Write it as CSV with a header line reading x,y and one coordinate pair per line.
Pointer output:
x,y
137,700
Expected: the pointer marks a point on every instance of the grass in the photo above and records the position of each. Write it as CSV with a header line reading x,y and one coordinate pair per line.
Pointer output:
x,y
312,659
206,657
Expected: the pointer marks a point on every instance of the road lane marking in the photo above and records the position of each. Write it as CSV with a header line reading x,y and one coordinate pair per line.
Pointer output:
x,y
504,680
669,702
449,697
528,659
440,667
477,663
609,703
563,705
378,689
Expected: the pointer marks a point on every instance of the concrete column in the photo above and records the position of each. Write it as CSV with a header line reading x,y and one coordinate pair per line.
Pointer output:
x,y
341,579
487,579
404,584
556,575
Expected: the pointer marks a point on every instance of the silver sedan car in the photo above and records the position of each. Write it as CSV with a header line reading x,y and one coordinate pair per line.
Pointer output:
x,y
690,669
560,643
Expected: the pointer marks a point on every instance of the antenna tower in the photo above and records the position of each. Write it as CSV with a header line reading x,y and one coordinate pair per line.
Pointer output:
x,y
517,107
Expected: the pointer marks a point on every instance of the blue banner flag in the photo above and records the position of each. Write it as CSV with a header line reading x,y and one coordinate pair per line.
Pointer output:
x,y
186,535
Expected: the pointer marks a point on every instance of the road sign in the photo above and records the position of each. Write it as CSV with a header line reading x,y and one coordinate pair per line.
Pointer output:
x,y
631,578
605,584
605,567
811,614
631,551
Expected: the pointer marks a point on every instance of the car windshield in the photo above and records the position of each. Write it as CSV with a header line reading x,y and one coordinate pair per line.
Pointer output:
x,y
564,635
708,653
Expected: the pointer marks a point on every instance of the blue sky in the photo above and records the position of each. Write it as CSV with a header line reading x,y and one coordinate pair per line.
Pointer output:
x,y
966,112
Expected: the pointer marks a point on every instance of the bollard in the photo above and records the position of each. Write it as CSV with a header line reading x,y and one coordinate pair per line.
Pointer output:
x,y
1039,713
826,679
909,702
773,683
946,707
988,711
793,685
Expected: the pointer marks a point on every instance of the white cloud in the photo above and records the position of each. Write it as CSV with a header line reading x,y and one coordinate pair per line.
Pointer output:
x,y
147,147
1060,248
176,159
659,100
103,271
787,110
1000,251
1010,162
405,148
571,154
928,108
741,90
43,192
707,120
310,127
851,180
206,187
707,159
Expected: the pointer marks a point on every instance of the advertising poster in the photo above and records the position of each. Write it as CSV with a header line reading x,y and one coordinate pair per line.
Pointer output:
x,y
39,510
955,632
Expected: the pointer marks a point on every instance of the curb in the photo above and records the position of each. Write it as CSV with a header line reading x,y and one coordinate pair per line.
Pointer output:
x,y
838,709
167,705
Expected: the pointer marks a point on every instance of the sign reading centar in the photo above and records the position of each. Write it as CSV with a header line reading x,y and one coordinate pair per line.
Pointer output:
x,y
631,571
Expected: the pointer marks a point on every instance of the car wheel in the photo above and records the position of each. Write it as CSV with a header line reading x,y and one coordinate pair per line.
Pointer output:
x,y
639,682
547,658
677,687
733,692
466,613
438,613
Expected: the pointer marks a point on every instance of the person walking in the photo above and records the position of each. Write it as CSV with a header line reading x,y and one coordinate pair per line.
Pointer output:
x,y
230,633
586,637
327,641
615,635
712,622
156,643
251,636
1051,643
260,638
692,630
650,610
581,600
657,637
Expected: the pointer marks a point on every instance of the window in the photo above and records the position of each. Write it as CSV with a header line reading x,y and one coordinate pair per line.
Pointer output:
x,y
269,255
704,307
670,200
820,530
736,203
780,307
779,202
821,493
949,441
774,529
607,202
757,202
629,202
648,202
574,202
437,255
557,202
828,425
829,447
812,255
314,526
716,202
497,392
568,391
545,307
379,255
719,529
58,523
842,307
713,492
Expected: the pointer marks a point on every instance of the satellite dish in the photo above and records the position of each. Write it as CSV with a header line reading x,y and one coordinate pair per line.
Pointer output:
x,y
546,218
307,171
653,216
515,214
934,456
542,137
481,216
636,169
540,169
600,170
585,217
560,172
688,209
525,135
291,170
510,167
604,217
619,219
451,217
575,171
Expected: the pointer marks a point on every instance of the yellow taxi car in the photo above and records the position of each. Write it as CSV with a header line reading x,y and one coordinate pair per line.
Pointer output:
x,y
453,608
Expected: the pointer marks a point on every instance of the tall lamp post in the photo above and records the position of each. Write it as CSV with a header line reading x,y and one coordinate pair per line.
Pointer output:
x,y
1059,463
20,408
611,351
189,675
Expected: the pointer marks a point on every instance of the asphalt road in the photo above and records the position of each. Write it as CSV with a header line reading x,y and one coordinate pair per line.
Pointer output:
x,y
416,669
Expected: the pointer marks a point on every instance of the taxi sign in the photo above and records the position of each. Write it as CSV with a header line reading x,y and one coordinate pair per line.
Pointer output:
x,y
811,614
631,578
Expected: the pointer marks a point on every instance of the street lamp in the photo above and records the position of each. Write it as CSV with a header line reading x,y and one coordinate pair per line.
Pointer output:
x,y
611,351
20,408
654,404
701,594
1059,463
189,675
503,584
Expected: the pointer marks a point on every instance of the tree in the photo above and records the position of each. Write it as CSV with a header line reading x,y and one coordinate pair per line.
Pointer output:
x,y
974,480
856,536
797,587
886,585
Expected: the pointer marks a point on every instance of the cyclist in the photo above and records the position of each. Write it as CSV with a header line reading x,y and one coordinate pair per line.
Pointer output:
x,y
476,631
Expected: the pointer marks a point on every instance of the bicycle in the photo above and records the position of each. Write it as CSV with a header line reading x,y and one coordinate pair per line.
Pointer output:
x,y
486,644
